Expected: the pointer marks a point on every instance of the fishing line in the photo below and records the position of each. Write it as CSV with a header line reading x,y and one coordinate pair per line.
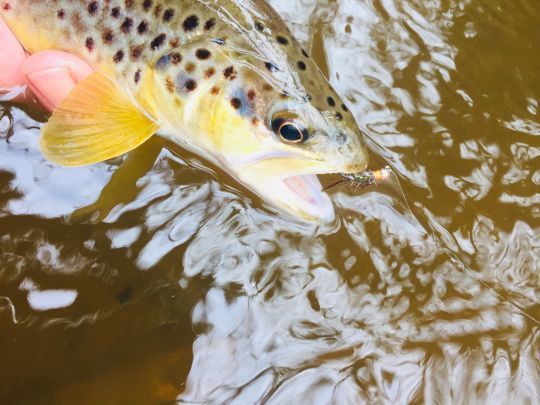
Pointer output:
x,y
368,178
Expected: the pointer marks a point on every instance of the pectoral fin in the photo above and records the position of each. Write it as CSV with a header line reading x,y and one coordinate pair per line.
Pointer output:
x,y
97,121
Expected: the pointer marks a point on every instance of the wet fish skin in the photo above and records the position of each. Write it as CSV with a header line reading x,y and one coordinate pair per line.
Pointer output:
x,y
213,75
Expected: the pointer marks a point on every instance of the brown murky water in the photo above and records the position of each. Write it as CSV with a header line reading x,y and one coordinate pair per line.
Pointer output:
x,y
160,279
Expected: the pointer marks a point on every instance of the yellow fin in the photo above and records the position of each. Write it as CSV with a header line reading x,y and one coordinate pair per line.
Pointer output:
x,y
95,122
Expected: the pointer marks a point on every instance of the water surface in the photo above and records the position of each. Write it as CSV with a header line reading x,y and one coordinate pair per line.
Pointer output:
x,y
154,277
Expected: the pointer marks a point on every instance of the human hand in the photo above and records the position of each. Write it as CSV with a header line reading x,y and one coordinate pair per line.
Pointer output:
x,y
45,77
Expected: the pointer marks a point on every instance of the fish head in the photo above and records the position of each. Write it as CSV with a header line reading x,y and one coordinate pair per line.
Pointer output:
x,y
276,143
272,129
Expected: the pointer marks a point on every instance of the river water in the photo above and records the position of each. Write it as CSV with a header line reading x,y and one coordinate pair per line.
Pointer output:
x,y
154,277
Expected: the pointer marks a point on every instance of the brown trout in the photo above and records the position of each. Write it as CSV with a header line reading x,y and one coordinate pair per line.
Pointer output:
x,y
222,78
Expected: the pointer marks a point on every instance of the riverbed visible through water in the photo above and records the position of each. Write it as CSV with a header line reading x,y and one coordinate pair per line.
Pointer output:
x,y
155,278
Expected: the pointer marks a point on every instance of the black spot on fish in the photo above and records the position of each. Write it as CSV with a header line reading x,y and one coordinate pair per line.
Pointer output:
x,y
301,65
115,12
344,108
126,25
137,77
118,56
142,27
251,95
147,5
108,36
136,52
305,53
191,85
230,73
202,53
61,14
168,15
209,24
236,103
331,102
271,67
259,26
282,40
190,67
190,23
93,8
157,41
176,58
339,116
89,43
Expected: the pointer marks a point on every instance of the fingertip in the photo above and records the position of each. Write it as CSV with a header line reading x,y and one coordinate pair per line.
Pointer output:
x,y
51,75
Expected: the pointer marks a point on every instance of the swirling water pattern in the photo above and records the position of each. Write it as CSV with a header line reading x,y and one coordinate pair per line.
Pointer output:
x,y
153,277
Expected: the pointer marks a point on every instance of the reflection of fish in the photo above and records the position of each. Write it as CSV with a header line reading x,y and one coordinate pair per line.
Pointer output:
x,y
225,79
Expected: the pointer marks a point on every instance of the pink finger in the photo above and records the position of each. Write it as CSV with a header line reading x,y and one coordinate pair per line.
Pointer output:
x,y
51,75
12,57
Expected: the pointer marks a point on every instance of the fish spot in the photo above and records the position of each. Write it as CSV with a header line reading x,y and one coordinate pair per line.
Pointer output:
x,y
118,56
157,41
344,108
308,97
174,42
209,24
236,103
230,73
305,53
6,6
128,3
251,95
267,87
61,14
331,102
282,40
202,53
136,52
190,67
126,25
137,76
209,72
271,67
214,91
176,58
89,44
108,36
339,116
142,27
259,26
168,15
93,7
115,12
191,85
190,23
147,5
255,121
157,11
301,65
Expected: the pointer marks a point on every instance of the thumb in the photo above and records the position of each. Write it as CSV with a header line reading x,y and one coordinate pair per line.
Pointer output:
x,y
51,75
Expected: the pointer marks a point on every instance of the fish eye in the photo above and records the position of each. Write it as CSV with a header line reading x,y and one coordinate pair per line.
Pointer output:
x,y
290,130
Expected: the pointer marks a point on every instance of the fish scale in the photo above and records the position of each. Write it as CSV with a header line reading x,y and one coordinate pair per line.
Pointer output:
x,y
225,79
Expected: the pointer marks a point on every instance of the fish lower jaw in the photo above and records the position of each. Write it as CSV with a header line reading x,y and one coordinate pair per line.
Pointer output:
x,y
301,196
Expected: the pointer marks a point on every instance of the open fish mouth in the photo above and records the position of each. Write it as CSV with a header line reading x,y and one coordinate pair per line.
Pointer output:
x,y
303,195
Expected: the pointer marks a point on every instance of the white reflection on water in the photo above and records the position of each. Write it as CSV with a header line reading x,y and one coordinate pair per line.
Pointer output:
x,y
369,310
